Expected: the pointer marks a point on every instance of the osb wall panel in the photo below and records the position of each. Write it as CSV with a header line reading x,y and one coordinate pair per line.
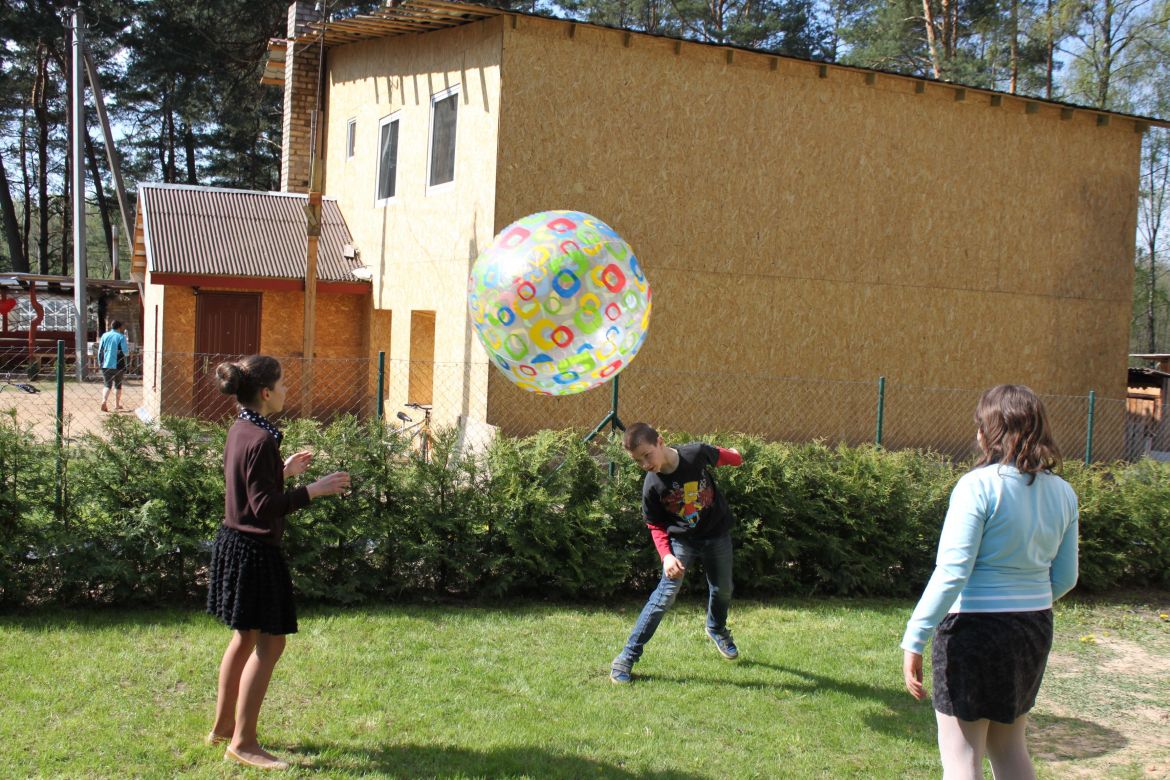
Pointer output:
x,y
345,380
177,372
420,245
826,228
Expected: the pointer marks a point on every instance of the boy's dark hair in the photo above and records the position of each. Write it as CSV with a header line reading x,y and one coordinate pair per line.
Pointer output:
x,y
246,378
1015,430
637,434
115,325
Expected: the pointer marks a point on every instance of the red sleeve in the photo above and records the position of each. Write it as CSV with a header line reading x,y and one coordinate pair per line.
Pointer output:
x,y
661,539
728,458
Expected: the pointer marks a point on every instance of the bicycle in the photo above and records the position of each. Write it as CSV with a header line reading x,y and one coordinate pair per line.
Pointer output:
x,y
420,430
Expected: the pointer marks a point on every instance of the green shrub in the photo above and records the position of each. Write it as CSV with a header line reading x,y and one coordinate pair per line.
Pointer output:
x,y
143,502
539,516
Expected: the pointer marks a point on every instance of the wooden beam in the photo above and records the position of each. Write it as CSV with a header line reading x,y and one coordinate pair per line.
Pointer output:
x,y
1031,107
626,39
960,95
919,86
822,71
572,30
775,64
996,101
678,47
1066,113
730,56
871,78
1102,120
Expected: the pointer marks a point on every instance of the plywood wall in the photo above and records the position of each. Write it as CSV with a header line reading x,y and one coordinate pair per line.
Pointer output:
x,y
345,379
421,244
795,222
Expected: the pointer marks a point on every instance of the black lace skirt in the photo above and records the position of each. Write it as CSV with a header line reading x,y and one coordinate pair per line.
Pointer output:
x,y
249,586
989,664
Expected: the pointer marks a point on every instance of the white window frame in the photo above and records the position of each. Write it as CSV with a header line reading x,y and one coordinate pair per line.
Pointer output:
x,y
350,138
435,98
383,122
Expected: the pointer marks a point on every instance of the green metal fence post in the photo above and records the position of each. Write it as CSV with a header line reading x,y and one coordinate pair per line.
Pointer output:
x,y
881,409
60,425
1089,428
381,384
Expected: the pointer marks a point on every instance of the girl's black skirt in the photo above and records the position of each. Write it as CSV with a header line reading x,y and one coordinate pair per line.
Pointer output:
x,y
989,664
249,586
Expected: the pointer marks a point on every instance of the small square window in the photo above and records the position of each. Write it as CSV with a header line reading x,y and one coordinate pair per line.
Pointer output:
x,y
387,158
444,110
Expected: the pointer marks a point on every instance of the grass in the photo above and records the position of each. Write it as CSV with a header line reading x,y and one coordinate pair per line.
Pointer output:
x,y
478,692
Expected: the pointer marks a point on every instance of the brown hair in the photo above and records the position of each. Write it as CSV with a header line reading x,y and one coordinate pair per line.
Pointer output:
x,y
639,433
246,378
1014,426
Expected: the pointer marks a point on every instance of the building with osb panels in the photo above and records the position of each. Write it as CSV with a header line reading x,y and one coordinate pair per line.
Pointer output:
x,y
795,219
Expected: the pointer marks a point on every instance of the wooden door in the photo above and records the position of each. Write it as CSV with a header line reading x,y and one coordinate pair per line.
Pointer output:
x,y
227,327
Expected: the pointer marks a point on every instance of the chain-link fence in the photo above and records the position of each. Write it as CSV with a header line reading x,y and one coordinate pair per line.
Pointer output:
x,y
420,398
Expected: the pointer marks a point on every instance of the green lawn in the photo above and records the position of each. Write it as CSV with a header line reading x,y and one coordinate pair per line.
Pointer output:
x,y
477,692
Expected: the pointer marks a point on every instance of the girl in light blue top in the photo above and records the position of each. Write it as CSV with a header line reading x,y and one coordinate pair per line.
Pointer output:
x,y
1008,550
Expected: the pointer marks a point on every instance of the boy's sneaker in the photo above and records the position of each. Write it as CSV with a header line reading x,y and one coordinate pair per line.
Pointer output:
x,y
724,644
619,673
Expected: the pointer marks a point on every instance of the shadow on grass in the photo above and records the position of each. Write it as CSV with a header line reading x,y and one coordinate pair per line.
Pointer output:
x,y
902,715
435,761
1055,738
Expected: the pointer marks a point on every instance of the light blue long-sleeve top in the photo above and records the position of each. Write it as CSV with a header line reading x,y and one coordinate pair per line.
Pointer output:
x,y
1006,546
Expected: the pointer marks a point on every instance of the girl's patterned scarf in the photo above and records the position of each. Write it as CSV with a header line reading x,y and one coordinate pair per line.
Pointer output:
x,y
262,421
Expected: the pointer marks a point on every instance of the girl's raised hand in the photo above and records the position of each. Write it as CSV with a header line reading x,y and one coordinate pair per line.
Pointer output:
x,y
296,464
330,485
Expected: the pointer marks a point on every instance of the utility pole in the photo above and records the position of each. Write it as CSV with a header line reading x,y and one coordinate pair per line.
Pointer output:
x,y
80,276
313,228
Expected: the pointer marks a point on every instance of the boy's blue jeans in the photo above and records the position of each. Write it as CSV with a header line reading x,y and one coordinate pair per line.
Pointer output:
x,y
715,553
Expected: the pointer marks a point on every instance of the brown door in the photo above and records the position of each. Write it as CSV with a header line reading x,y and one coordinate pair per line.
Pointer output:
x,y
227,327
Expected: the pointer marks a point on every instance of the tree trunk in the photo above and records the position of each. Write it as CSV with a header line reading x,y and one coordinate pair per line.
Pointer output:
x,y
189,148
26,185
11,227
1107,54
41,112
1050,49
1014,46
931,39
67,178
100,195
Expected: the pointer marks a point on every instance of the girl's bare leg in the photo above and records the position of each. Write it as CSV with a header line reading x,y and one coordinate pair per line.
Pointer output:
x,y
253,687
230,668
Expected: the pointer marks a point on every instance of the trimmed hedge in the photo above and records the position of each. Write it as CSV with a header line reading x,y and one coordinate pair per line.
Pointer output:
x,y
533,517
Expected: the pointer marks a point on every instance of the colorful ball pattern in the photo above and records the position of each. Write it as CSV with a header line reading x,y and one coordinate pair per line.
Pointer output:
x,y
559,302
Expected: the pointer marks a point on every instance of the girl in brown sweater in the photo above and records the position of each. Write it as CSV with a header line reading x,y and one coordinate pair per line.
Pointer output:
x,y
250,589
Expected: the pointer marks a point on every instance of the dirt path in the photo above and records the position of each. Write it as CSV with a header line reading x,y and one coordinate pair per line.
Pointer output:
x,y
81,406
1104,710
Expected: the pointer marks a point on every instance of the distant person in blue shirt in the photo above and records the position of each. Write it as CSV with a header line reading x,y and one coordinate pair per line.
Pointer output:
x,y
1008,550
112,351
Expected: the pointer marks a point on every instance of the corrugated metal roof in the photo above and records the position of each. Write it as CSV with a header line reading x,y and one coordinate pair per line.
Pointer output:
x,y
222,232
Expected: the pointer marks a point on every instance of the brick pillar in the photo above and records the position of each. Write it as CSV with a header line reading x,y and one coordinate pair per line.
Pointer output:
x,y
301,71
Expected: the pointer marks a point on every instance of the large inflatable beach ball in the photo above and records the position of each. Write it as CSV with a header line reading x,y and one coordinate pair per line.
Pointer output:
x,y
559,302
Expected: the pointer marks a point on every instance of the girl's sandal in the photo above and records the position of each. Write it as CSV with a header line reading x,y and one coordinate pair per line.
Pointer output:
x,y
231,755
216,739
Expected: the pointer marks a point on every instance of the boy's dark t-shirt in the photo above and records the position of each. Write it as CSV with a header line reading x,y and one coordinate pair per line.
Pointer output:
x,y
686,502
